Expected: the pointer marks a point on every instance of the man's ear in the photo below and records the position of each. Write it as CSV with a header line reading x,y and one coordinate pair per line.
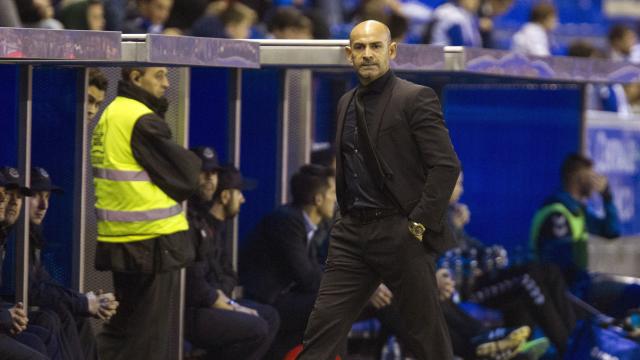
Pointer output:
x,y
225,196
393,50
318,199
135,76
348,52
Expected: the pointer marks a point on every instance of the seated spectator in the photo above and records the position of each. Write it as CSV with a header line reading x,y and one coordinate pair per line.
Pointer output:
x,y
213,321
237,20
289,23
622,40
9,14
279,265
38,14
454,23
72,307
399,27
533,37
84,15
604,97
225,20
152,15
185,13
488,10
96,92
314,11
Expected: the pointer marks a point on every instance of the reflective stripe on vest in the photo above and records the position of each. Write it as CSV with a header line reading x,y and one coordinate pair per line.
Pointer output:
x,y
129,206
577,224
133,216
120,175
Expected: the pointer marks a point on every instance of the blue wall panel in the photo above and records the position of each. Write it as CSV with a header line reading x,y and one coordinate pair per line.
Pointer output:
x,y
511,141
209,110
8,115
260,112
54,147
8,152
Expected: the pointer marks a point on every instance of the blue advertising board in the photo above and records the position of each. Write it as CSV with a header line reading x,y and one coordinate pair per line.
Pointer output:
x,y
614,146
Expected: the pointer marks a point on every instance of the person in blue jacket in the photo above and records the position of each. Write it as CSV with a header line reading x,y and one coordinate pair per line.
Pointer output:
x,y
560,232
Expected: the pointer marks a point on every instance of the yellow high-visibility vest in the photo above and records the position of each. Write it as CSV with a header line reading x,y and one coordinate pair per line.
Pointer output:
x,y
577,225
129,207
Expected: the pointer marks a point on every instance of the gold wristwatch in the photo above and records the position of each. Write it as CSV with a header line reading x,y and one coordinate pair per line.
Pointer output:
x,y
416,229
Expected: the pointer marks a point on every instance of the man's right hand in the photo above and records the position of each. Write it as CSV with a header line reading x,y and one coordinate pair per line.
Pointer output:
x,y
381,297
19,318
222,302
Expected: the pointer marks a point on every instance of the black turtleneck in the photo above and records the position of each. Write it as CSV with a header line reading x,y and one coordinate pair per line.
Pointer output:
x,y
158,105
362,191
170,166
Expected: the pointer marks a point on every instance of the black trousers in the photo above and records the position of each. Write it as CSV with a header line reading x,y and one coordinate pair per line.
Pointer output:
x,y
46,324
532,295
12,349
140,329
294,308
231,335
361,255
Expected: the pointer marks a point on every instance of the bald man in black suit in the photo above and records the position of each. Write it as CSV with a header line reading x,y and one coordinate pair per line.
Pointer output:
x,y
396,169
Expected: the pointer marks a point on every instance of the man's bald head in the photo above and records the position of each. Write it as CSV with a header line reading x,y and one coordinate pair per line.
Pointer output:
x,y
370,27
370,50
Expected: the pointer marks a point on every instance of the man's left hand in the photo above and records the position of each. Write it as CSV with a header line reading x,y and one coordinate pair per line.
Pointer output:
x,y
600,183
381,297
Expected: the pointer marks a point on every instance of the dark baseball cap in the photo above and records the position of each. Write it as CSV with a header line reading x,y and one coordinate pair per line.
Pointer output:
x,y
229,177
209,158
41,181
12,179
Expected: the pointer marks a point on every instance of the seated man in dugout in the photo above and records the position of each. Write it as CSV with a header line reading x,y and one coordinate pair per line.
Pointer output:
x,y
15,341
214,321
72,307
43,324
279,265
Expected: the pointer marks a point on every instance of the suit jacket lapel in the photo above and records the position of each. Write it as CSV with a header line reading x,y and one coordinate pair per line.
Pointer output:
x,y
342,112
381,107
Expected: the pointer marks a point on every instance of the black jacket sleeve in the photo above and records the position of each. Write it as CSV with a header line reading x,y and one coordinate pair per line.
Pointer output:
x,y
228,276
199,291
6,322
171,167
289,239
438,158
45,291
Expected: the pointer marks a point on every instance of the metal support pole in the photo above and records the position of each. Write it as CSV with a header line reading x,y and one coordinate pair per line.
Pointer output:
x,y
80,185
234,119
295,126
283,138
24,165
454,59
183,138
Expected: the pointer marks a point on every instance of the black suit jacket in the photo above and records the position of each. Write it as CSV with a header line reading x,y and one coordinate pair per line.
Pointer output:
x,y
418,163
278,259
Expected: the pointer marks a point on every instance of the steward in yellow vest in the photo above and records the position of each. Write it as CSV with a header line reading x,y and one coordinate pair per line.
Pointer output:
x,y
141,177
560,228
